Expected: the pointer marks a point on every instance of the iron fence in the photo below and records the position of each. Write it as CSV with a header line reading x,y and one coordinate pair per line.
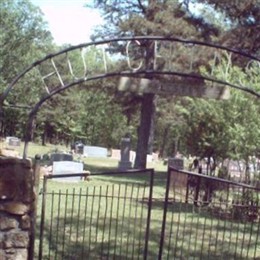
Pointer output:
x,y
209,218
96,221
142,215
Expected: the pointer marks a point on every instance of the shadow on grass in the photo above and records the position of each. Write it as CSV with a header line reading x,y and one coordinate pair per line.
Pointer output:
x,y
95,227
106,243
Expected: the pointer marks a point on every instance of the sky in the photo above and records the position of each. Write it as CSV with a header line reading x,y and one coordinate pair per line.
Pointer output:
x,y
69,21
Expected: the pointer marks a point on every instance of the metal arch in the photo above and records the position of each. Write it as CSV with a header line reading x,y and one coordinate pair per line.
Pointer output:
x,y
132,73
136,38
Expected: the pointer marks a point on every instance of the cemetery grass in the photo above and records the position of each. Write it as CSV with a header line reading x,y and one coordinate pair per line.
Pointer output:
x,y
90,164
103,200
216,238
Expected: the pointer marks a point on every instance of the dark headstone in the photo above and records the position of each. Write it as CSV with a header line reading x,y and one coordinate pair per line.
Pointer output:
x,y
176,163
125,163
57,157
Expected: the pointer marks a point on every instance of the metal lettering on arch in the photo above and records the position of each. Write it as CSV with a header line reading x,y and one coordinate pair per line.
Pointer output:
x,y
173,68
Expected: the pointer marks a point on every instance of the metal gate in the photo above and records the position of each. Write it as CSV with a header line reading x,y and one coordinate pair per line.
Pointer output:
x,y
107,217
142,215
209,218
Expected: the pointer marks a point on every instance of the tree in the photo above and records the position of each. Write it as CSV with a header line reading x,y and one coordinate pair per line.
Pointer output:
x,y
228,129
242,18
83,112
23,37
147,18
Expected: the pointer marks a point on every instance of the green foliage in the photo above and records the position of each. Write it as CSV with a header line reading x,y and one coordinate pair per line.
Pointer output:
x,y
88,112
23,38
97,114
226,129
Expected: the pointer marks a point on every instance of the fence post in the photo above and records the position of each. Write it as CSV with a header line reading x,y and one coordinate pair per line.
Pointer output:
x,y
164,213
44,189
35,191
197,190
148,222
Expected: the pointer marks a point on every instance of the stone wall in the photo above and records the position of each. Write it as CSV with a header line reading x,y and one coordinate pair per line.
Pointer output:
x,y
17,208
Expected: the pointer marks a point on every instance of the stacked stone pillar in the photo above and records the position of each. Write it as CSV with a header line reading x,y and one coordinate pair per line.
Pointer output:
x,y
17,208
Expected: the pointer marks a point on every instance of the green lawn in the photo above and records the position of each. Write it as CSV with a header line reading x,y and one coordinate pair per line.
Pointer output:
x,y
106,218
91,164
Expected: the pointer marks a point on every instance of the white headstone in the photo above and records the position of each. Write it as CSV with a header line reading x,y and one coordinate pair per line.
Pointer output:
x,y
94,151
67,167
13,141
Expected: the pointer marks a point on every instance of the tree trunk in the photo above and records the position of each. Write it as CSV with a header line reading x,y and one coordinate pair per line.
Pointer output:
x,y
164,140
44,134
147,112
152,126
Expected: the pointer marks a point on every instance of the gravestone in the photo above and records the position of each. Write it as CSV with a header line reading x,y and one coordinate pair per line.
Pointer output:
x,y
125,162
176,163
79,148
94,151
115,154
178,180
67,167
13,141
57,157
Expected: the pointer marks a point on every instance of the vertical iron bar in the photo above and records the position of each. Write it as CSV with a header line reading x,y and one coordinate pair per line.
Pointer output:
x,y
78,218
164,214
71,217
129,219
123,219
84,224
243,239
177,231
170,237
191,229
257,234
196,229
117,218
42,224
210,235
141,223
238,225
57,227
203,237
197,190
98,213
250,237
187,190
230,203
224,230
183,230
217,235
64,226
148,222
135,217
91,218
51,218
110,220
104,223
